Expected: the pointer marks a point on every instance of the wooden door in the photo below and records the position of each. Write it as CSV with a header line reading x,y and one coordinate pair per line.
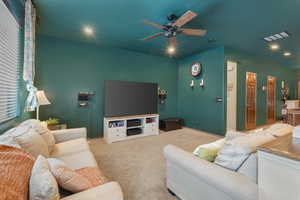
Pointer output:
x,y
271,99
299,90
250,121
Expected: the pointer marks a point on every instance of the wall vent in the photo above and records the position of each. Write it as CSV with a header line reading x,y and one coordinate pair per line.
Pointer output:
x,y
277,36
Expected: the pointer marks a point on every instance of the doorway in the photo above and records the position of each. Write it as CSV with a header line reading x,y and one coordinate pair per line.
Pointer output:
x,y
250,114
231,95
299,90
271,99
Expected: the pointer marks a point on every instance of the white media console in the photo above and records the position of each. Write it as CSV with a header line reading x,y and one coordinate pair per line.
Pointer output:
x,y
128,127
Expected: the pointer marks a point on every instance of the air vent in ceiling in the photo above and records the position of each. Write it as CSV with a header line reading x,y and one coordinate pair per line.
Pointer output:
x,y
277,36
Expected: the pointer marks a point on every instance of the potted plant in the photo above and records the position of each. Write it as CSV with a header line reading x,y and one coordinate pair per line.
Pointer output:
x,y
52,123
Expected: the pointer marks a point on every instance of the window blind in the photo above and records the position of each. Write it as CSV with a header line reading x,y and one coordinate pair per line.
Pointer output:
x,y
9,62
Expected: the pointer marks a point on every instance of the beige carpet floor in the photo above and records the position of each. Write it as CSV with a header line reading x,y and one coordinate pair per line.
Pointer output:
x,y
138,164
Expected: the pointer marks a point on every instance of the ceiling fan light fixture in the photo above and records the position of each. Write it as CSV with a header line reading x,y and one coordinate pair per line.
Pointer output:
x,y
88,30
171,50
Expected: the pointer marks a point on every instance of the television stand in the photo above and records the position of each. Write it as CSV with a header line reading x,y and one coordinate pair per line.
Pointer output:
x,y
129,127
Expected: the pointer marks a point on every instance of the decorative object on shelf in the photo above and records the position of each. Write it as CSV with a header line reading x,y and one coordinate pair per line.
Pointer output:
x,y
84,97
201,83
162,95
192,84
285,93
196,69
41,101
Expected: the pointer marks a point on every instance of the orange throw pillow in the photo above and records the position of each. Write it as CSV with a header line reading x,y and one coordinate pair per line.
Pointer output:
x,y
15,171
93,174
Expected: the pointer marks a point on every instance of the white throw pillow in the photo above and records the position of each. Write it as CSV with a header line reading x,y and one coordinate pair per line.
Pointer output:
x,y
280,129
213,145
42,129
8,139
33,143
42,185
237,150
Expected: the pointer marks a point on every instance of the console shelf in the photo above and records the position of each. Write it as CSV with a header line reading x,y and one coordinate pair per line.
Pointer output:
x,y
129,127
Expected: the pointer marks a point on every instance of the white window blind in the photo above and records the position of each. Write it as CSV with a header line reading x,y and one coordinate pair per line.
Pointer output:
x,y
9,62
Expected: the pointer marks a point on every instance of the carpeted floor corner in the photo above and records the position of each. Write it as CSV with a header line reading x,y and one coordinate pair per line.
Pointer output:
x,y
138,164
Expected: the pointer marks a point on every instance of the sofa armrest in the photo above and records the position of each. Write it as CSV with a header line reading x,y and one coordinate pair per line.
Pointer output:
x,y
69,134
215,180
108,191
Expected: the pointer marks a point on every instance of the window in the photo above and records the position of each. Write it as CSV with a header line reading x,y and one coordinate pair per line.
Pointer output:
x,y
9,64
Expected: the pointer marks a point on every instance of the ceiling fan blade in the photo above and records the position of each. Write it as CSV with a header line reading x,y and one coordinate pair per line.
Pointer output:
x,y
153,36
195,32
173,42
154,24
185,18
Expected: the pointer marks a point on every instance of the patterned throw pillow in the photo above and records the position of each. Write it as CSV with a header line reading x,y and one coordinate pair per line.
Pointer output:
x,y
33,143
67,178
42,129
15,170
43,185
93,174
76,180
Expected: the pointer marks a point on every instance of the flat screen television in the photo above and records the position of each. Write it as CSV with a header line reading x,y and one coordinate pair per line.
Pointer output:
x,y
129,98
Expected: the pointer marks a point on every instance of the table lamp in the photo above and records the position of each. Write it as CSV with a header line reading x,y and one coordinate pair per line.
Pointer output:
x,y
41,100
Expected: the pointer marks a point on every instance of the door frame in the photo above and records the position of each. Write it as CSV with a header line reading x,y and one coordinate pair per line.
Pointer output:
x,y
275,79
246,92
232,67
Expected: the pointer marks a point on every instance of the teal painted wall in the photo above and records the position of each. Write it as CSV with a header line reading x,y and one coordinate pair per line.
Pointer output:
x,y
263,68
65,68
16,7
198,106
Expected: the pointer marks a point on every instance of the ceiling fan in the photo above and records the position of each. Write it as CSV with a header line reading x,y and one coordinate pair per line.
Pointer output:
x,y
173,28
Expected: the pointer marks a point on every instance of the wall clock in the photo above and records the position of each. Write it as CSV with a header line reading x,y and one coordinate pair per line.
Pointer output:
x,y
195,68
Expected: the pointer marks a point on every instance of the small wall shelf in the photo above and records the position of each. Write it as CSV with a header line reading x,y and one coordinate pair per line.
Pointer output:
x,y
129,127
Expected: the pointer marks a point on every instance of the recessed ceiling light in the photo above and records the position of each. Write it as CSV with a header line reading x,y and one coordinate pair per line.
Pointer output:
x,y
88,30
287,53
274,47
171,50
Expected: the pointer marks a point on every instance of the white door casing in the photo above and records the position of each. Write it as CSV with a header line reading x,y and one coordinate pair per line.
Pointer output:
x,y
231,95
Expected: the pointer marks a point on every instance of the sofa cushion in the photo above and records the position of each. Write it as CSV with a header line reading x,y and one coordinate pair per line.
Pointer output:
x,y
237,150
33,143
249,167
70,147
42,129
67,178
43,185
111,190
79,160
93,174
15,170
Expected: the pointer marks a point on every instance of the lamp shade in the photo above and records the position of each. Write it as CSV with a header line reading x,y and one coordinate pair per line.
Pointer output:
x,y
41,98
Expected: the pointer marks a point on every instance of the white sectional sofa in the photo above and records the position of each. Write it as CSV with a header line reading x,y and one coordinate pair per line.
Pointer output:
x,y
191,178
71,147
